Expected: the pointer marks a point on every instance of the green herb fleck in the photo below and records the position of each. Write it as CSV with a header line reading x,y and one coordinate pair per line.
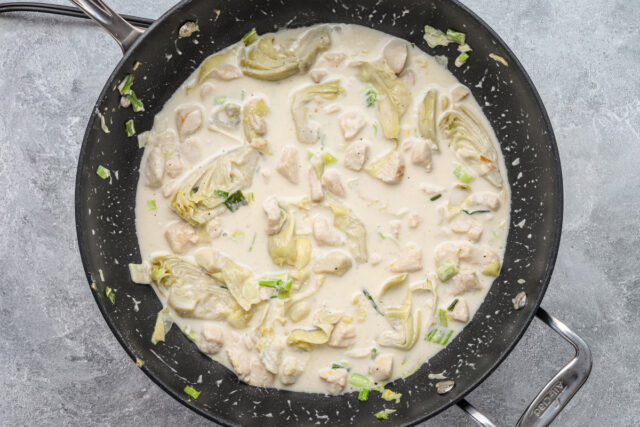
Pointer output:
x,y
462,175
453,304
371,95
371,300
131,130
364,394
221,193
282,285
110,294
136,103
103,172
461,59
235,201
151,204
192,392
475,211
436,197
384,414
250,37
219,100
125,85
223,286
455,36
374,353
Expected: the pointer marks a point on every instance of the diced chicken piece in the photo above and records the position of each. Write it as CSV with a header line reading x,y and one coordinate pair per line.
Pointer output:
x,y
375,259
290,370
395,55
395,226
459,93
409,260
258,124
350,123
206,91
335,262
210,259
315,186
248,367
188,120
289,163
259,143
154,168
413,219
452,251
325,234
317,75
266,174
270,354
226,72
211,339
180,235
431,189
421,154
274,215
334,58
408,77
355,155
359,353
393,171
464,281
343,335
169,188
335,379
471,228
460,312
190,150
382,367
213,229
173,165
331,181
332,108
486,199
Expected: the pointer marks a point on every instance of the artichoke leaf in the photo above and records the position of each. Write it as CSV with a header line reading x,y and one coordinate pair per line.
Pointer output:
x,y
197,199
393,96
162,326
391,282
427,116
306,131
470,142
310,45
282,246
345,220
406,326
267,60
323,322
210,64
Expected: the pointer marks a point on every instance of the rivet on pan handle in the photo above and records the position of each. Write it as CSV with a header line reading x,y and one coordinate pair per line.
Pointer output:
x,y
558,392
124,33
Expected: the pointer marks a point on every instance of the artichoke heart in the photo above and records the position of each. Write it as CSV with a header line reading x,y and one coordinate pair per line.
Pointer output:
x,y
196,200
323,322
427,116
193,293
345,220
283,246
393,96
406,326
210,64
470,142
308,132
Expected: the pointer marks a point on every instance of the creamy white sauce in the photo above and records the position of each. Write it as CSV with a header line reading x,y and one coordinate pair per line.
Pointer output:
x,y
377,204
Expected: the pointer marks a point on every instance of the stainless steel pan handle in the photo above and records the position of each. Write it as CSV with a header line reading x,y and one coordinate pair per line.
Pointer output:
x,y
124,33
559,390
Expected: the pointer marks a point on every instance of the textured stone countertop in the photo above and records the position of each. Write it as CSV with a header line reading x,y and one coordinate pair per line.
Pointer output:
x,y
62,366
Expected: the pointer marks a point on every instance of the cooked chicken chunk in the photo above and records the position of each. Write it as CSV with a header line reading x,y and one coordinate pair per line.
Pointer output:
x,y
334,262
395,55
335,379
413,219
257,123
421,153
467,226
431,189
460,312
248,367
393,170
154,168
331,181
485,199
382,367
457,251
211,339
188,120
350,123
317,75
465,280
315,186
325,234
274,215
180,235
259,143
343,335
210,259
355,155
226,72
334,58
409,260
395,226
290,370
459,93
173,165
289,163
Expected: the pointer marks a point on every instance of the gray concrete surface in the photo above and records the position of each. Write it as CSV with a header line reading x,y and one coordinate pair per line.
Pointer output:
x,y
60,365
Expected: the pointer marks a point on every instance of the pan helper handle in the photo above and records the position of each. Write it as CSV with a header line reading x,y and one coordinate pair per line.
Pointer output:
x,y
124,33
555,395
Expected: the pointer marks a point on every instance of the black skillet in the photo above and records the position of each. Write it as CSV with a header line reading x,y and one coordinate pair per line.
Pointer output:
x,y
106,224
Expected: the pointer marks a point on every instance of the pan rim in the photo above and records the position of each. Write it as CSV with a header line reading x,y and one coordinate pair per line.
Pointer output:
x,y
554,245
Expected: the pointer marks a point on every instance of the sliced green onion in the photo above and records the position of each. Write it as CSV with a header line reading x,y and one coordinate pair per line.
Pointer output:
x,y
130,127
373,303
103,172
384,414
434,37
371,96
375,128
382,236
190,333
462,175
360,381
442,60
250,37
192,392
329,159
151,204
125,85
453,304
448,337
461,59
242,95
223,287
436,197
110,294
235,201
439,336
219,100
443,318
281,283
476,211
364,394
340,365
136,103
220,193
253,242
446,270
374,353
455,36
